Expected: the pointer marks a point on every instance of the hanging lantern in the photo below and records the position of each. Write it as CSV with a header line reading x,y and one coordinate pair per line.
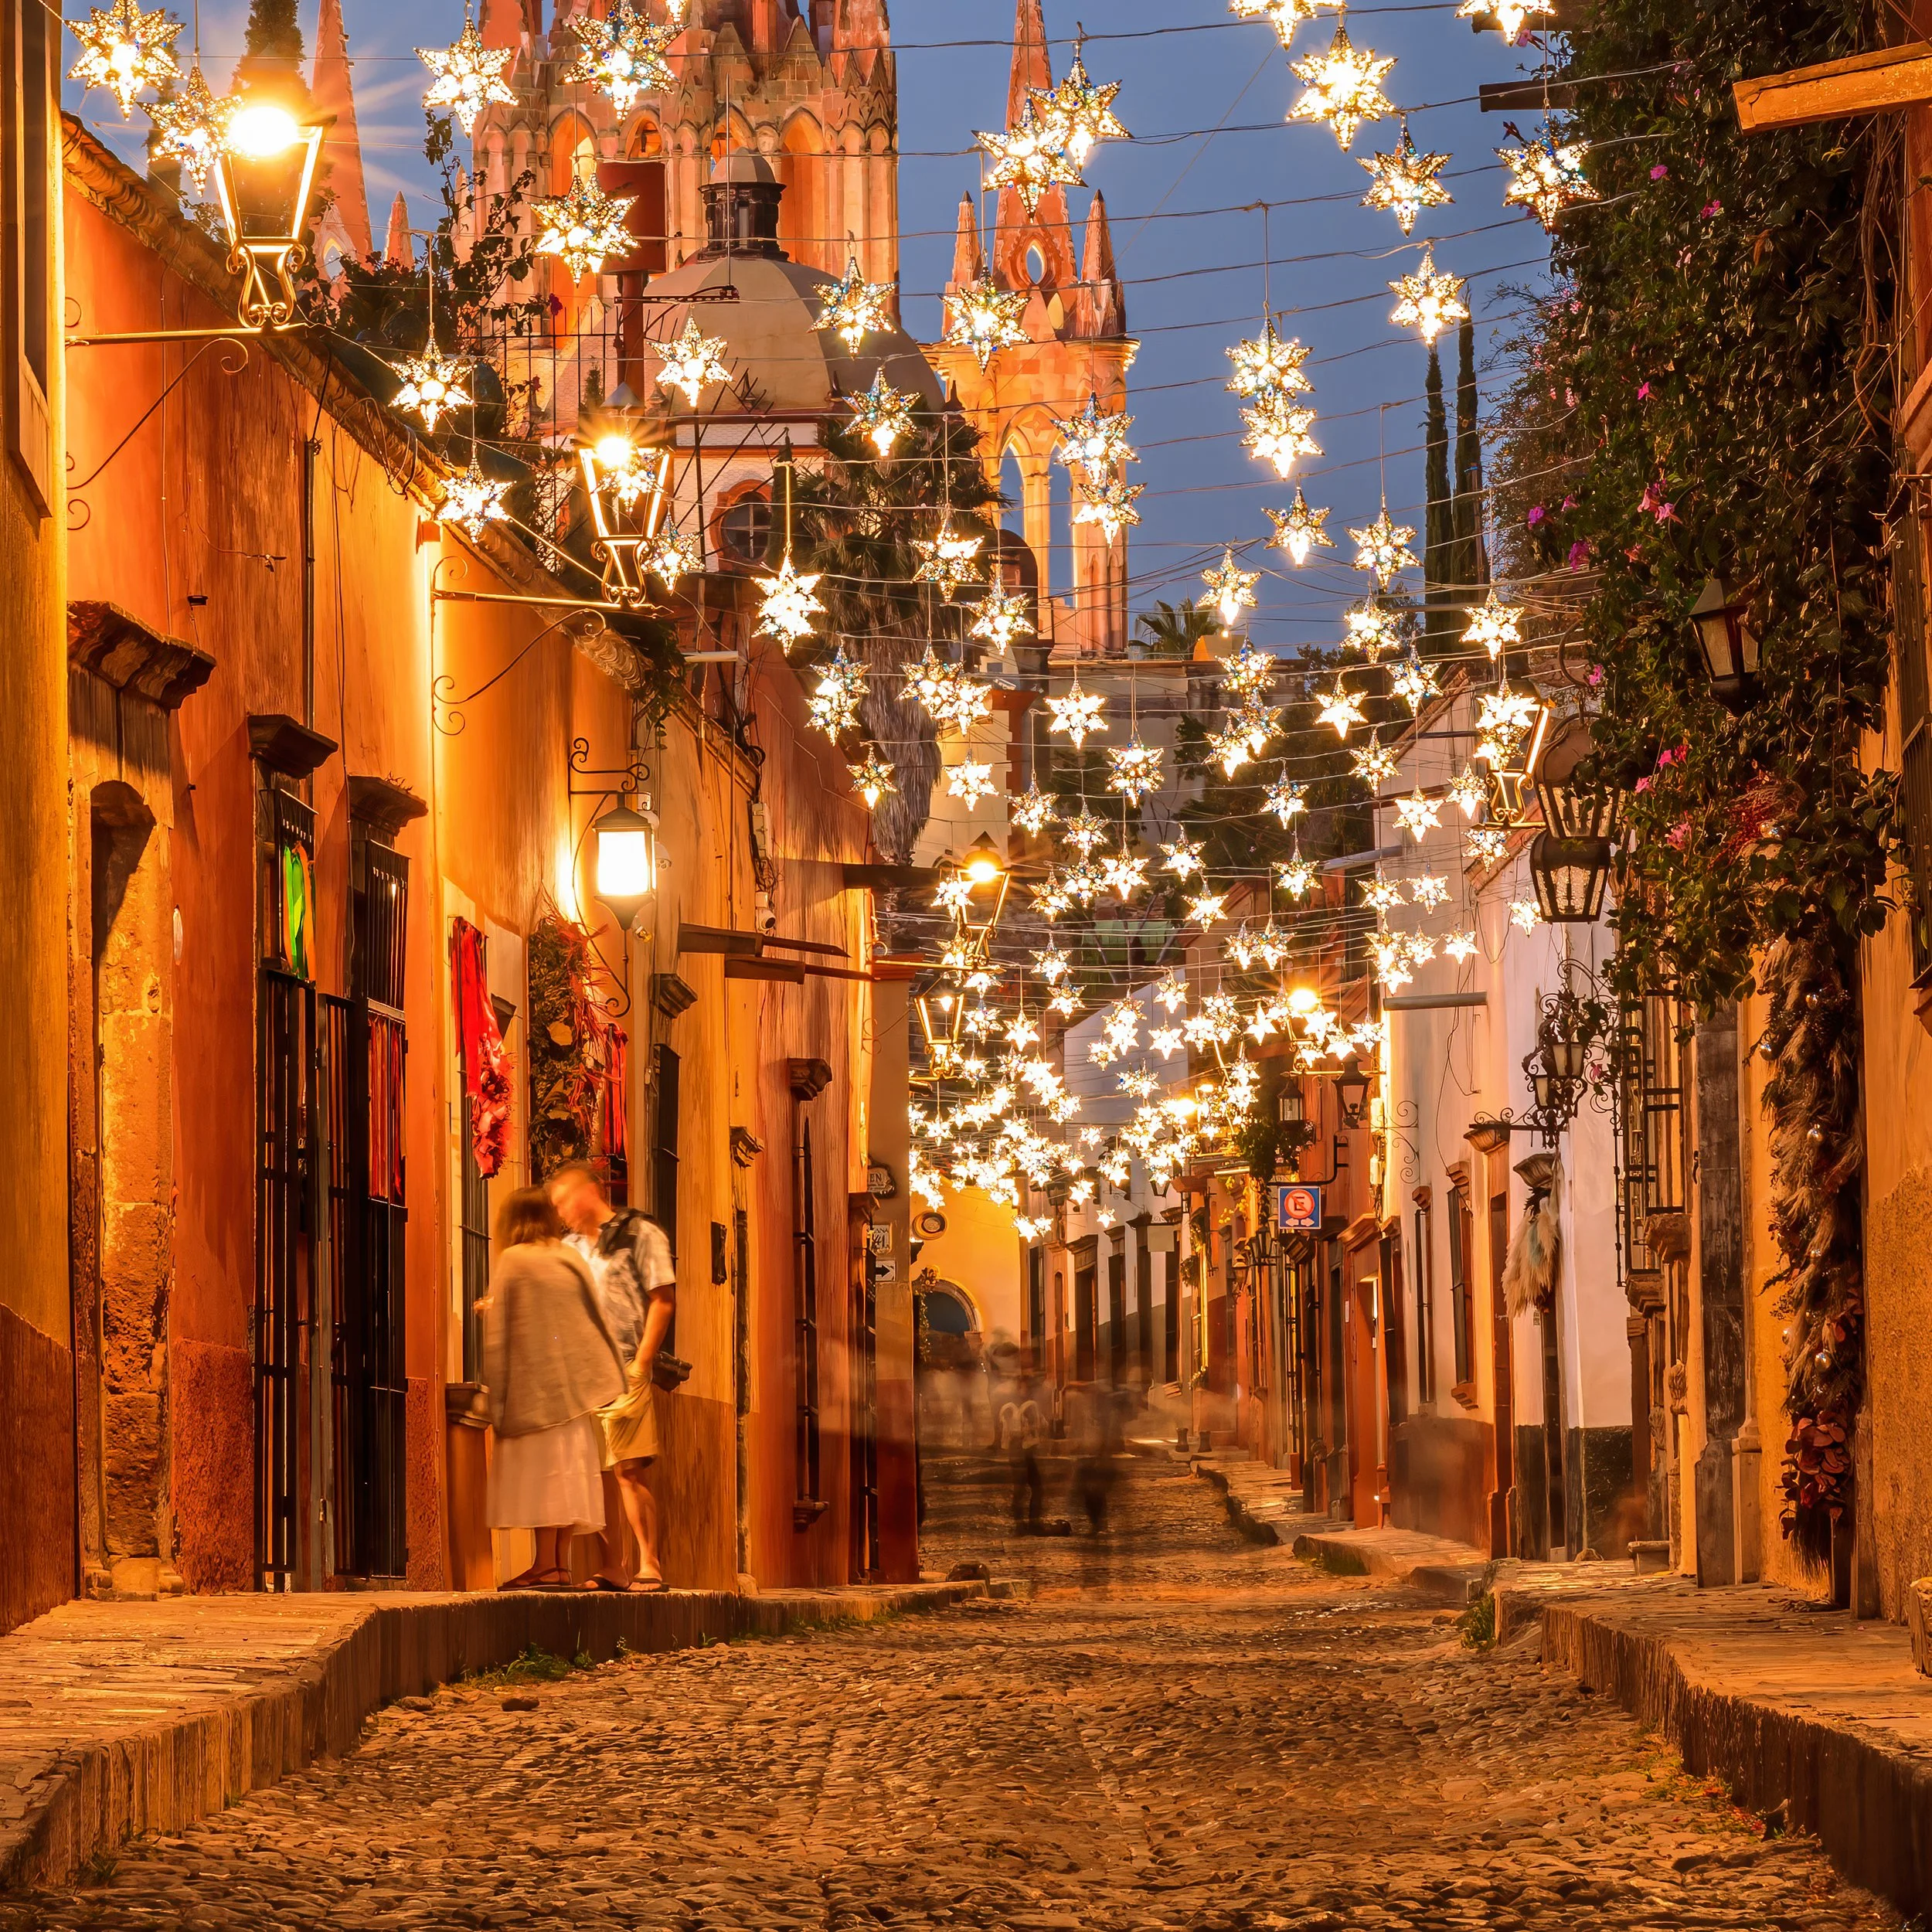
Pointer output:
x,y
1382,548
1278,431
1110,506
1546,176
856,308
124,50
1266,364
1093,443
1733,656
789,604
691,362
1231,587
1344,87
1351,1092
1029,157
1571,811
263,174
472,501
1569,875
1079,112
1428,301
469,75
1404,183
626,861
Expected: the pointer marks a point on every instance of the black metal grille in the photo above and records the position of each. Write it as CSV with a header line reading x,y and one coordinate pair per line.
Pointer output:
x,y
1907,535
1650,1153
807,1321
864,1457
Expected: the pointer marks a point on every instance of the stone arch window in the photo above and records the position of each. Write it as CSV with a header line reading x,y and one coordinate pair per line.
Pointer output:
x,y
1036,265
803,219
741,528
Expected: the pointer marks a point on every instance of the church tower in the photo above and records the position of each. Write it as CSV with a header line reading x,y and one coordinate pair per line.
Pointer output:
x,y
1076,346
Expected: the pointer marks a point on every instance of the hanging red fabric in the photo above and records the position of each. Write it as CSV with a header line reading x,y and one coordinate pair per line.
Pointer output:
x,y
486,1067
617,1082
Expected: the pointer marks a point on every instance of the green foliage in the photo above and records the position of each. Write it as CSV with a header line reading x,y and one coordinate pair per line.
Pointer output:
x,y
1173,631
568,1043
1478,1624
273,32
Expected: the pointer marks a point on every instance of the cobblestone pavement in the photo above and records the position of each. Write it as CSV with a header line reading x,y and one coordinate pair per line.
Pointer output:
x,y
1178,1730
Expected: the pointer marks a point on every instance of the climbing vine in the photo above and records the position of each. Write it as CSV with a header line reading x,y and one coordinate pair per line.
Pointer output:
x,y
1706,392
570,1043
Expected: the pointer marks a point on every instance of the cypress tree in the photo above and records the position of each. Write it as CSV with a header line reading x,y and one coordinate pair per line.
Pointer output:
x,y
1438,524
1471,565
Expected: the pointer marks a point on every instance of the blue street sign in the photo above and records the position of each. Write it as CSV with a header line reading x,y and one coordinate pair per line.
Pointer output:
x,y
1298,1209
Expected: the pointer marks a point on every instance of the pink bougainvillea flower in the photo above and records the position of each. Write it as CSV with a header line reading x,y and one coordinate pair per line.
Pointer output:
x,y
1712,208
1569,503
1643,784
1579,556
1635,553
1643,392
1679,836
1535,516
1659,171
1596,676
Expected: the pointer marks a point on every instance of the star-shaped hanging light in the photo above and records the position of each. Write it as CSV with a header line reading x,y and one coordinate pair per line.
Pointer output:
x,y
583,226
190,127
833,706
1340,707
1382,893
1468,791
1001,617
1460,946
1494,625
1344,87
1077,712
1546,176
1231,589
1079,113
789,604
1278,431
1284,799
1183,860
1093,442
1207,910
1286,15
1123,875
1415,682
1110,505
1052,965
884,414
671,555
1032,811
430,385
1296,876
1512,16
985,318
1487,843
1504,717
872,779
1375,763
1267,362
1382,548
1428,301
970,781
1085,833
1029,156
1298,530
1525,915
1404,183
1134,771
949,558
855,307
691,362
1247,675
472,501
1428,889
124,50
1373,626
469,75
1233,748
1418,814
622,55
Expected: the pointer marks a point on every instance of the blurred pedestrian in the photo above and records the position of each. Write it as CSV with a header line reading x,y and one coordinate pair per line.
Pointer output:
x,y
550,1364
629,1257
1003,1377
1102,1439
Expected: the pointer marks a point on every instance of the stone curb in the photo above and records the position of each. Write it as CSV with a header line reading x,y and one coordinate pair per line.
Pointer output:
x,y
1356,1554
1865,1797
162,1777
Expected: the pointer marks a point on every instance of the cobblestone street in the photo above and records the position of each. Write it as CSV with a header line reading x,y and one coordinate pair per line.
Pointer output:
x,y
1180,1730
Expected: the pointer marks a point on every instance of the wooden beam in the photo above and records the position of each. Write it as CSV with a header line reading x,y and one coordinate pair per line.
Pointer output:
x,y
791,970
1899,76
1526,96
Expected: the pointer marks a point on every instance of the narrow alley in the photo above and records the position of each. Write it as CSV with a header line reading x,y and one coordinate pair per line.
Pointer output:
x,y
1177,1730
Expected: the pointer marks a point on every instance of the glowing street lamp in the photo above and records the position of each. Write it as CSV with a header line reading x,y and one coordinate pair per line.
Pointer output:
x,y
264,173
626,861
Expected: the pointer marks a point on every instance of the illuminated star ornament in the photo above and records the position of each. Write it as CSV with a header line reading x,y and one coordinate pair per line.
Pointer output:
x,y
471,500
1414,682
1418,814
1183,860
583,226
469,75
1030,156
1382,548
691,362
1278,431
1546,176
1285,16
872,779
1375,762
1344,87
671,555
191,128
1373,628
856,307
622,55
985,318
1487,843
1298,530
1081,111
1340,707
1427,890
1285,801
1428,301
1207,910
1494,625
1134,771
1231,589
1076,714
1093,443
1405,182
430,385
124,49
1032,811
1110,506
1267,362
1296,877
833,706
969,780
948,558
883,413
1511,16
1467,792
1002,617
789,604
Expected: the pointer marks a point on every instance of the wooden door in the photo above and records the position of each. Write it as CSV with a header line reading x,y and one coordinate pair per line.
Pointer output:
x,y
1368,1416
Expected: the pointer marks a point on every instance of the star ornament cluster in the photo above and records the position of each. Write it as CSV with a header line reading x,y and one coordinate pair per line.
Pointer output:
x,y
1344,87
1382,548
1298,529
833,705
125,49
856,308
1546,176
1404,183
584,226
622,55
1511,16
985,318
1429,299
468,76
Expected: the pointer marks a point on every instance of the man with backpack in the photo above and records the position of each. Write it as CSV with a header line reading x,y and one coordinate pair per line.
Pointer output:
x,y
631,1264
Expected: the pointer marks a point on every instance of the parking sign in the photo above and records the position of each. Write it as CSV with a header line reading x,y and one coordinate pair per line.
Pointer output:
x,y
1298,1209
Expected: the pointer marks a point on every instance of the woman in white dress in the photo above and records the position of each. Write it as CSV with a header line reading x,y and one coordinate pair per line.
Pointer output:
x,y
550,1364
